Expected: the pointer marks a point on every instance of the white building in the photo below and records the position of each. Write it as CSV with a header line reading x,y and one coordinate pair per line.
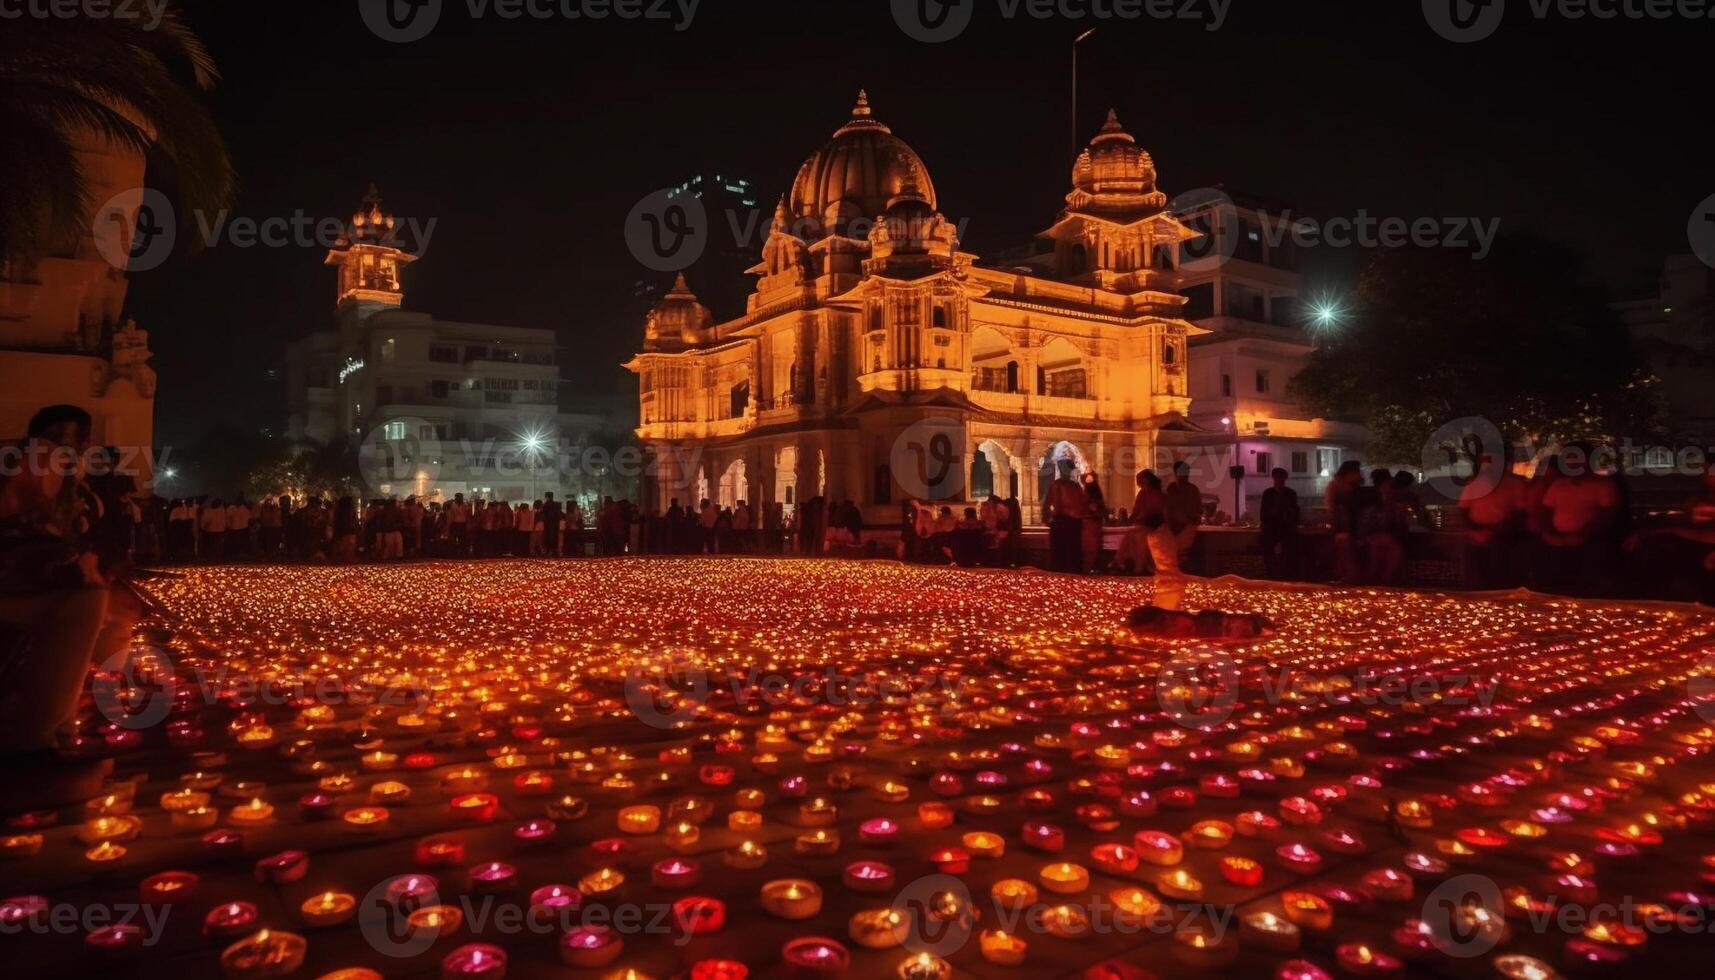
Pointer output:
x,y
468,408
1244,290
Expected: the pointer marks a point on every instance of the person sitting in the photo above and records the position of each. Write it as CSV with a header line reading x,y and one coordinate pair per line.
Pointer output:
x,y
63,610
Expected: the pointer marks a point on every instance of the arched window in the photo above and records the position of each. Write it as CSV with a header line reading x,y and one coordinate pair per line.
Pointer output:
x,y
940,316
740,395
1012,377
1168,352
1079,259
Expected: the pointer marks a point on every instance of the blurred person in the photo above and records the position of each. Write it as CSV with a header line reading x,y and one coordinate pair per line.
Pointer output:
x,y
211,524
1184,511
1067,506
66,606
1581,510
1090,537
1343,500
1493,505
1280,519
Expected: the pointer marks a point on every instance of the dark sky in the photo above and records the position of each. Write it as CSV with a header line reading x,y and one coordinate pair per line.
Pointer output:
x,y
529,141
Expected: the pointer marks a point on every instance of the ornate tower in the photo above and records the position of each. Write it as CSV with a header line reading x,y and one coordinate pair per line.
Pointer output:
x,y
369,257
1115,230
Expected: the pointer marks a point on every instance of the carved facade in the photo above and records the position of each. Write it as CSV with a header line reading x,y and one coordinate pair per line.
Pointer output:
x,y
878,361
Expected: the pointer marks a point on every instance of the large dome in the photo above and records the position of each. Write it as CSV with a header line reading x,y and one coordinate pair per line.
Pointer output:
x,y
856,175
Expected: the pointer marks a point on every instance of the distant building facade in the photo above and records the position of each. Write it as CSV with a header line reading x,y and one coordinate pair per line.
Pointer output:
x,y
1243,289
440,407
876,359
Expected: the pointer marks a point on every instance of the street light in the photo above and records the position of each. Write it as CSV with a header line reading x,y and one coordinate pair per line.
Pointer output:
x,y
1075,42
533,442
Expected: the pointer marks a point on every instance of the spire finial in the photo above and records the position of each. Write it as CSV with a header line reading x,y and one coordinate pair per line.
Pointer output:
x,y
373,197
861,109
680,285
1112,124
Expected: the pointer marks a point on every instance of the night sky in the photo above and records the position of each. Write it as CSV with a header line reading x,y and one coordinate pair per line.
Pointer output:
x,y
530,140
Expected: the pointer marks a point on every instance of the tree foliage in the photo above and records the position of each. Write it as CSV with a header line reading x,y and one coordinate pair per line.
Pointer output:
x,y
1522,337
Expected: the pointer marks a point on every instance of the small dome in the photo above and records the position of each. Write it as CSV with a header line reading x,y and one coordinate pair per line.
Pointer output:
x,y
858,174
1114,173
679,318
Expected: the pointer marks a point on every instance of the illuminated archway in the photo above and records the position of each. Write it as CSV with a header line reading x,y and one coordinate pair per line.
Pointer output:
x,y
732,488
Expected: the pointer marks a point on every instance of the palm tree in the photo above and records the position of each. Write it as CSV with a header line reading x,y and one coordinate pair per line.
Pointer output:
x,y
125,81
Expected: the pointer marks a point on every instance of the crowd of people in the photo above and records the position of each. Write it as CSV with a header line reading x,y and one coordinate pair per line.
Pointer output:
x,y
209,530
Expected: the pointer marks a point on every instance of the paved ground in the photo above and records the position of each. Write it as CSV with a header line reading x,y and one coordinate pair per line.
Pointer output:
x,y
1538,738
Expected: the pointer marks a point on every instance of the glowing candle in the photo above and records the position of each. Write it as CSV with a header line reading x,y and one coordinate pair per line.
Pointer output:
x,y
1360,960
791,898
263,955
674,874
600,882
1158,848
1307,911
167,887
1241,871
1001,948
230,919
877,928
747,855
815,957
252,814
934,816
476,961
868,876
330,908
1269,931
1179,883
475,807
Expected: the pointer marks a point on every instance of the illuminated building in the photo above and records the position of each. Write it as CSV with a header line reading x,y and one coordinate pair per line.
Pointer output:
x,y
468,395
869,328
1245,292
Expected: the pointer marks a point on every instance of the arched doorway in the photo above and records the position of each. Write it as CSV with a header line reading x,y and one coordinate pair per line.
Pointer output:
x,y
786,484
993,470
732,488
